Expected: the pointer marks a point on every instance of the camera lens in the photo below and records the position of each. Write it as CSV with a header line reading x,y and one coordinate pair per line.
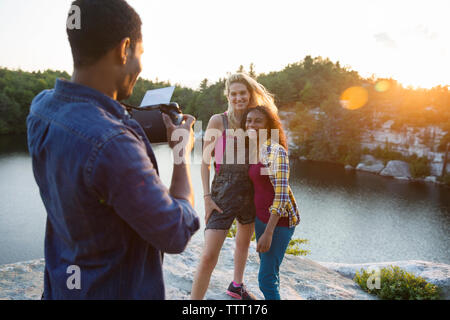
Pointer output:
x,y
177,119
173,110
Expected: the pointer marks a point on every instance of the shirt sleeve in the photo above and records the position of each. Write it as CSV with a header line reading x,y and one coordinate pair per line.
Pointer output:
x,y
126,179
280,179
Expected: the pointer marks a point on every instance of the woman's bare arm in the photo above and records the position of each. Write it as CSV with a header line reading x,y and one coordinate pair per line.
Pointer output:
x,y
212,134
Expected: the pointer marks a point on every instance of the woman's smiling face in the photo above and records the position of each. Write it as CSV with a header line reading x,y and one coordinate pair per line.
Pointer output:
x,y
239,96
255,121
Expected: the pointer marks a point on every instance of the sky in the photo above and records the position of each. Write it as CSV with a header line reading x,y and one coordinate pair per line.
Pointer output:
x,y
188,41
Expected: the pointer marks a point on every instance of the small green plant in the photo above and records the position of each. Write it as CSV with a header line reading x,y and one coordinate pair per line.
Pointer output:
x,y
395,283
294,247
419,167
445,179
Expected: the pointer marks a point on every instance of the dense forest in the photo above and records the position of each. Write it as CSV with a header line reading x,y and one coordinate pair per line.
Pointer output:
x,y
17,90
311,90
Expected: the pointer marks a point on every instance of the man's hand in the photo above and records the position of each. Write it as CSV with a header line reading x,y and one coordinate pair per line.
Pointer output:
x,y
183,132
181,185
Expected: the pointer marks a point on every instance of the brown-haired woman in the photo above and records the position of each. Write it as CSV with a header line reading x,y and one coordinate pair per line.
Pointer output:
x,y
277,214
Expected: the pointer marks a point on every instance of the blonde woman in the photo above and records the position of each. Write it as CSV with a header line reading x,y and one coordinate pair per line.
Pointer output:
x,y
231,194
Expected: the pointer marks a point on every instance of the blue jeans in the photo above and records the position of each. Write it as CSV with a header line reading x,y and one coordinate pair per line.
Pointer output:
x,y
270,261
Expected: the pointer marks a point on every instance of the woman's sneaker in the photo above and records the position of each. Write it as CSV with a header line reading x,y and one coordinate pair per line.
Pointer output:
x,y
240,293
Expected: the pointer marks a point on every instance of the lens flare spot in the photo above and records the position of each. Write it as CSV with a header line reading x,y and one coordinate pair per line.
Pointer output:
x,y
354,98
382,86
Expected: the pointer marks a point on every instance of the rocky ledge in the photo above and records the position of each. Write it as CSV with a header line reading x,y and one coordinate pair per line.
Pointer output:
x,y
301,278
433,272
394,168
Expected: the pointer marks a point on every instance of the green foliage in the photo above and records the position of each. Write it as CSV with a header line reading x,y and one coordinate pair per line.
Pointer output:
x,y
419,167
294,247
397,284
445,179
320,128
386,154
310,81
328,137
17,90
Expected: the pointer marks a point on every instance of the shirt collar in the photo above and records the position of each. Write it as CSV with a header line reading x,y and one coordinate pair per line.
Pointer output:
x,y
77,91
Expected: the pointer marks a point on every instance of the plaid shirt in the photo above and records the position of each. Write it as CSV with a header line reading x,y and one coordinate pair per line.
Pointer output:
x,y
274,157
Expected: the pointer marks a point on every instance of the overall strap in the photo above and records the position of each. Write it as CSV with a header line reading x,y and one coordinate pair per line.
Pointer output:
x,y
224,137
224,121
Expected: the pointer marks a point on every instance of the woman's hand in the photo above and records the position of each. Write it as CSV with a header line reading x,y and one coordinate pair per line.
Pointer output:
x,y
264,242
210,205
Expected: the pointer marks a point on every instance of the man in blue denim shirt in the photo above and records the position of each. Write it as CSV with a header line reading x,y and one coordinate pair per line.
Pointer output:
x,y
109,217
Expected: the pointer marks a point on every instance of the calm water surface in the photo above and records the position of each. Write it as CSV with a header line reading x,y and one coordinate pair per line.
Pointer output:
x,y
347,216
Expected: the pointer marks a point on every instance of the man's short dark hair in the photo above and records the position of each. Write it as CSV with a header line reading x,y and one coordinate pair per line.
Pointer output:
x,y
104,23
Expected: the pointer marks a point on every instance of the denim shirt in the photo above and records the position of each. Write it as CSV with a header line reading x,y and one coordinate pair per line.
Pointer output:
x,y
108,213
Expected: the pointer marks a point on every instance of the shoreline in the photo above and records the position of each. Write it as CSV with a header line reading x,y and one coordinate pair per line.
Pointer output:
x,y
348,167
301,277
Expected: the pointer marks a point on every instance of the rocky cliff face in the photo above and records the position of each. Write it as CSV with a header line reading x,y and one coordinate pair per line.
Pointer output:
x,y
301,278
396,169
409,141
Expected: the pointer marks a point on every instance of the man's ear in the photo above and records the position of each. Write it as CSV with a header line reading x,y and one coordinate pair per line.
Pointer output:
x,y
123,50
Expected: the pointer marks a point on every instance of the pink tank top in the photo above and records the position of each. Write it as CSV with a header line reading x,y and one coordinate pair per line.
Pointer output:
x,y
219,148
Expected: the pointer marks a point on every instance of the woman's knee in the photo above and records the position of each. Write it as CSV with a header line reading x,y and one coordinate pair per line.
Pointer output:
x,y
209,259
213,244
242,245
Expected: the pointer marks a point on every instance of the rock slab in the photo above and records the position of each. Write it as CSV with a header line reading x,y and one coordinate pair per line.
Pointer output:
x,y
396,168
433,272
301,278
370,164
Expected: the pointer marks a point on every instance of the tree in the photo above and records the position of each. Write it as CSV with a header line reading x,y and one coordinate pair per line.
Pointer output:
x,y
204,85
252,72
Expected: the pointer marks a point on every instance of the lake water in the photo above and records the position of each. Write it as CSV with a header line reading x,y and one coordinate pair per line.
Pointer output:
x,y
347,216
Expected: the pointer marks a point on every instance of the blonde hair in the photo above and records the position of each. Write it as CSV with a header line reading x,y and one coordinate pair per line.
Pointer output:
x,y
258,96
